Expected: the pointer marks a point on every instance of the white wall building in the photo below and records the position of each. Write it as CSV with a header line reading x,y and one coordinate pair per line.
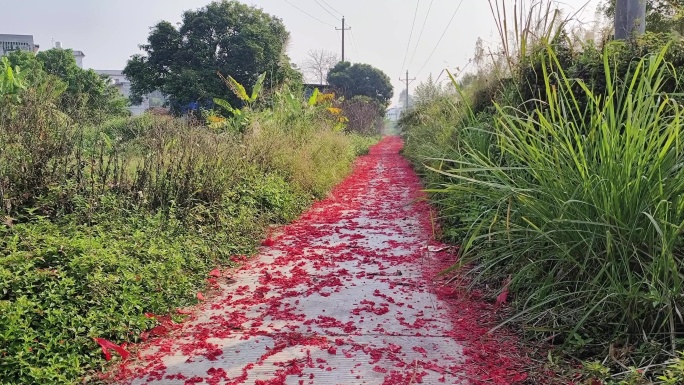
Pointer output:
x,y
9,43
119,80
79,55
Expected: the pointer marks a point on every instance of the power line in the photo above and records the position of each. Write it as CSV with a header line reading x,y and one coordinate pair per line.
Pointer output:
x,y
441,37
310,15
422,29
326,9
408,46
330,6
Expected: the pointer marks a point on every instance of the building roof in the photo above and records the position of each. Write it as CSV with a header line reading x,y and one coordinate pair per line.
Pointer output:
x,y
110,72
313,85
11,42
6,37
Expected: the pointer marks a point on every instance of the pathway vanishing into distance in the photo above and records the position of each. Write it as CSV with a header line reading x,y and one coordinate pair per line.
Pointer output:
x,y
348,294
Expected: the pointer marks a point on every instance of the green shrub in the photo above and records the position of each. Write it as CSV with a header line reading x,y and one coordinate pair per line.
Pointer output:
x,y
63,284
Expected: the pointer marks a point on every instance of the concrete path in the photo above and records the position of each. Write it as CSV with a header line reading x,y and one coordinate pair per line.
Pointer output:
x,y
342,296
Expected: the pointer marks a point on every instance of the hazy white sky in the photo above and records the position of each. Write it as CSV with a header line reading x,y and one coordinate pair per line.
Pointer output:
x,y
109,31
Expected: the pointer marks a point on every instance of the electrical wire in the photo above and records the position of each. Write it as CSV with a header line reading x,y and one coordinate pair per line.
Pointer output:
x,y
326,9
408,46
440,38
422,29
330,6
310,15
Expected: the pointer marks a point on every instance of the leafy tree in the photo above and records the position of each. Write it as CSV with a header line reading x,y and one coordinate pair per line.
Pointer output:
x,y
428,90
11,82
318,64
59,62
84,94
223,37
27,61
361,80
86,90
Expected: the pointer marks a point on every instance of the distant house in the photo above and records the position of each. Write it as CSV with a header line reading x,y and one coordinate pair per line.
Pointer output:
x,y
9,43
79,55
394,113
309,89
121,83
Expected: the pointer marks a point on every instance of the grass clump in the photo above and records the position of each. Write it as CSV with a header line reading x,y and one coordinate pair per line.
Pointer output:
x,y
585,203
569,184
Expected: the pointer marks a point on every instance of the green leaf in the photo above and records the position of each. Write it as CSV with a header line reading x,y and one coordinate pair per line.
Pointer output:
x,y
224,104
238,89
258,86
314,97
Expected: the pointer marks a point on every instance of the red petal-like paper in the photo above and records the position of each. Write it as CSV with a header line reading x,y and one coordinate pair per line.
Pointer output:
x,y
215,273
501,298
200,296
107,345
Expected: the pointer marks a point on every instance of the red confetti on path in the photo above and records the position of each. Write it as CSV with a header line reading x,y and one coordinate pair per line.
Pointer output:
x,y
215,273
108,345
349,294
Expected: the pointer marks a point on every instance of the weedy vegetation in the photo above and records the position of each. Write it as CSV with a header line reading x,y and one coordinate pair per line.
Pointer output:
x,y
558,163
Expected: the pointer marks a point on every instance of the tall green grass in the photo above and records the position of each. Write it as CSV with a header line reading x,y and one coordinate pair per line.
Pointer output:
x,y
581,205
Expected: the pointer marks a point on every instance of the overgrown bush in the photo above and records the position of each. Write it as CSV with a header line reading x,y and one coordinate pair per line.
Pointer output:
x,y
564,186
365,115
82,94
586,200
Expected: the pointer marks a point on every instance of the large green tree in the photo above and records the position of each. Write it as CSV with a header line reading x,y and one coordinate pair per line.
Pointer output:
x,y
225,36
361,80
83,94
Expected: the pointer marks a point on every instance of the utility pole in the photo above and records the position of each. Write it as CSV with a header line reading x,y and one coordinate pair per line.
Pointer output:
x,y
630,18
343,31
408,81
